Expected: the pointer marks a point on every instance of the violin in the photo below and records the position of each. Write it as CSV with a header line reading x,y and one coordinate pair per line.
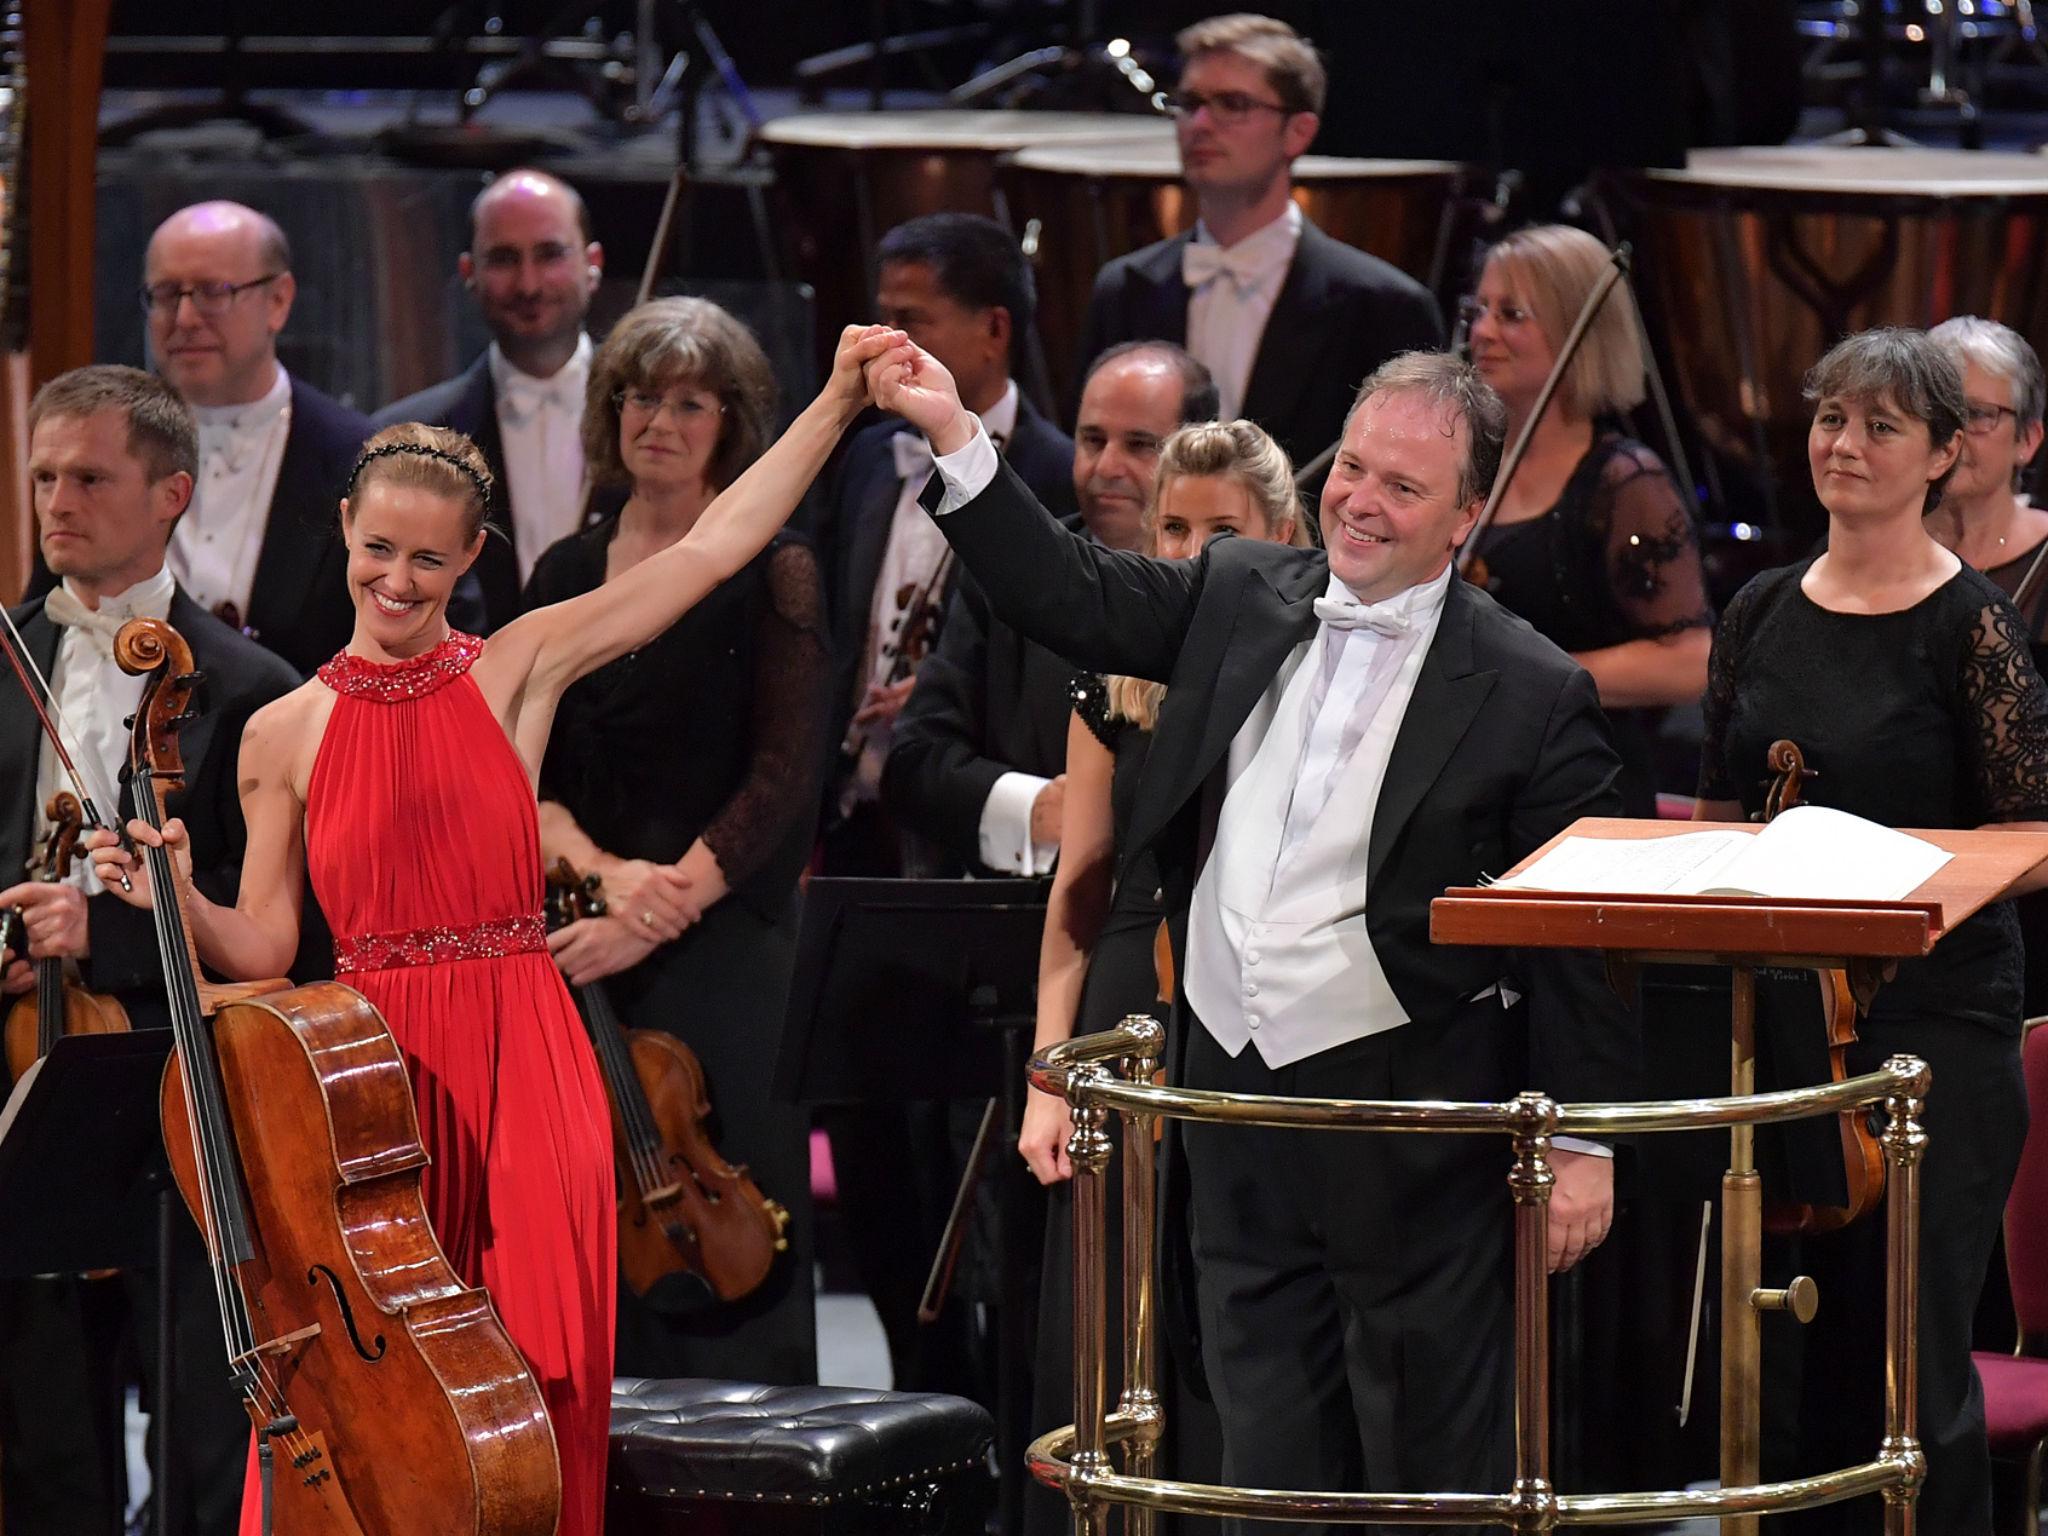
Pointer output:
x,y
59,1005
386,1396
1862,1158
685,1213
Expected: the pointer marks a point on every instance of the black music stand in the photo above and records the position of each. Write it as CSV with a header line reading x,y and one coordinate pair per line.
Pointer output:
x,y
927,989
84,1185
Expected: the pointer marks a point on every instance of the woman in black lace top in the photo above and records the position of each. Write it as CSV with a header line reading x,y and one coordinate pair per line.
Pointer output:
x,y
1095,962
1905,678
1593,542
684,775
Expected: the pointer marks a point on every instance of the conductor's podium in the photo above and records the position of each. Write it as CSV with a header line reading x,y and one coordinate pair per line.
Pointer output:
x,y
1106,1457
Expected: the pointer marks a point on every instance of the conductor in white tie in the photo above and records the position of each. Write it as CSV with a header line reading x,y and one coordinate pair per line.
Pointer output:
x,y
1344,736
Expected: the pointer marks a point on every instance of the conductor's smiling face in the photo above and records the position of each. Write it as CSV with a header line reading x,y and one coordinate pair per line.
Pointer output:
x,y
1391,513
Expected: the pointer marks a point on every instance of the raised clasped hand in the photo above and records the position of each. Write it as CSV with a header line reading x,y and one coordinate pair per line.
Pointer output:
x,y
110,861
859,345
592,948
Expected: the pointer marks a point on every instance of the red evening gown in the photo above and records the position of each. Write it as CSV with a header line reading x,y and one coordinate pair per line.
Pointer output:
x,y
423,846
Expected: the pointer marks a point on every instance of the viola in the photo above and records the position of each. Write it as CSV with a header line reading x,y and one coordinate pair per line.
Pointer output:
x,y
1862,1158
58,1006
386,1396
685,1213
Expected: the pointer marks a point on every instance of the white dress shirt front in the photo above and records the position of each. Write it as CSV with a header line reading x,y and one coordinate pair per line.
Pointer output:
x,y
540,431
216,544
96,697
1230,298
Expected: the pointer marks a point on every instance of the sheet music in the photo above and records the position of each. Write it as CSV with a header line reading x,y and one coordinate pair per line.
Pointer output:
x,y
1808,853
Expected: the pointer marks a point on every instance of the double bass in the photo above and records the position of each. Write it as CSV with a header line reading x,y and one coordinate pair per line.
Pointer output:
x,y
685,1214
58,1005
386,1396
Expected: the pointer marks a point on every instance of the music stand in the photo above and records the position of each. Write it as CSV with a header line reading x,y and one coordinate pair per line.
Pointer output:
x,y
84,1185
1743,933
927,989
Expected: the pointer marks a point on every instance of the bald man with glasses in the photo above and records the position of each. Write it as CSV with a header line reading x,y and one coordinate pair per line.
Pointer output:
x,y
1287,319
258,546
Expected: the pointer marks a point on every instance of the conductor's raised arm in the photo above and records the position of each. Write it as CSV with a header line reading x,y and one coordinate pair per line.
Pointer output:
x,y
1103,610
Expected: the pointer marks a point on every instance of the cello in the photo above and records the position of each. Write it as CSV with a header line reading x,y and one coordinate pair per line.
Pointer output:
x,y
1862,1157
389,1389
683,1209
58,1006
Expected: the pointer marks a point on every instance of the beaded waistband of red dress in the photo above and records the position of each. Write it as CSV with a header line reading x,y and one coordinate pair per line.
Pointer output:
x,y
518,935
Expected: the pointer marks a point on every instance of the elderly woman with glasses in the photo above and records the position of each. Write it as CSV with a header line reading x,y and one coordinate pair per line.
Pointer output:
x,y
1904,676
1593,542
683,775
1982,516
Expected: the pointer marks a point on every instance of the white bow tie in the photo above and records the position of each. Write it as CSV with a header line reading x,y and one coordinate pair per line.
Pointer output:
x,y
1200,262
1380,618
102,623
522,398
913,455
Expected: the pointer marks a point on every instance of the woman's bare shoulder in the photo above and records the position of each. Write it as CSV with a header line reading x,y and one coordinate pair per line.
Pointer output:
x,y
285,732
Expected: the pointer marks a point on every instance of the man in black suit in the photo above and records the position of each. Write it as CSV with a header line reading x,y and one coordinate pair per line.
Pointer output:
x,y
533,268
1287,318
978,765
112,453
1344,735
260,547
960,285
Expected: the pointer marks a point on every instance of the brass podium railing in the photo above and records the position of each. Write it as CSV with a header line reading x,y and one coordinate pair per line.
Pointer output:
x,y
1077,1458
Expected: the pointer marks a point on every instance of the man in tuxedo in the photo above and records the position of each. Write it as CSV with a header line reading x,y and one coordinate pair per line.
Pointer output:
x,y
978,765
112,457
533,269
260,546
1287,318
960,285
1344,735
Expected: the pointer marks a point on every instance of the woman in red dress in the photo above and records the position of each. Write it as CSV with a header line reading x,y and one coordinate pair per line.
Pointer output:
x,y
401,780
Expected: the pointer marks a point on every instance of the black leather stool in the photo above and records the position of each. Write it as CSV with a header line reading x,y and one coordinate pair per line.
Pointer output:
x,y
723,1458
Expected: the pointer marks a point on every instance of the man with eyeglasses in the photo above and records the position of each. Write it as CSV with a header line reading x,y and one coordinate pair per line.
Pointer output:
x,y
533,269
1286,318
258,546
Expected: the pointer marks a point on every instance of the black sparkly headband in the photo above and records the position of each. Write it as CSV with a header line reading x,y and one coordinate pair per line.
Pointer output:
x,y
420,451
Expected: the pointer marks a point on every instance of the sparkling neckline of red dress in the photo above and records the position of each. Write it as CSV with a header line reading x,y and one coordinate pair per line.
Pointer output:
x,y
393,682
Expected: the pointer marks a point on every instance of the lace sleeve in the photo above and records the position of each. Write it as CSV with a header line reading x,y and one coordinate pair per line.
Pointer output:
x,y
1718,705
792,676
1652,552
2005,704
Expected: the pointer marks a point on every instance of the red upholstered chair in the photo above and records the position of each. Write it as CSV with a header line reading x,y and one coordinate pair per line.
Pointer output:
x,y
2016,1385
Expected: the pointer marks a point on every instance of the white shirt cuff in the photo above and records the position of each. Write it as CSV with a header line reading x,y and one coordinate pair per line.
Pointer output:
x,y
1006,822
1573,1144
966,473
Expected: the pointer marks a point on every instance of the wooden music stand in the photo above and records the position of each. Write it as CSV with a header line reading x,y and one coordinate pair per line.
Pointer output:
x,y
1863,938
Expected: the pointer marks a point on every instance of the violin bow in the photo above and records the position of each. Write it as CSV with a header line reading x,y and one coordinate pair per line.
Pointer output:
x,y
25,668
1617,269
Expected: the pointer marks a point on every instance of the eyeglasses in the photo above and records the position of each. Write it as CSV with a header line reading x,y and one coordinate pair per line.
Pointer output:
x,y
1224,106
209,299
1472,311
1982,420
644,402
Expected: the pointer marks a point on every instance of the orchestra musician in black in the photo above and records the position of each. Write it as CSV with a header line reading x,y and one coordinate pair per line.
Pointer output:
x,y
112,455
